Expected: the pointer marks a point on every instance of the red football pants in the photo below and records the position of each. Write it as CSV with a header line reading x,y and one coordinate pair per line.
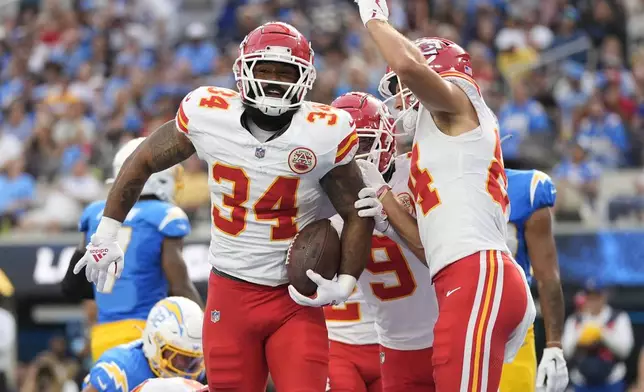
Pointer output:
x,y
250,329
354,368
482,298
406,371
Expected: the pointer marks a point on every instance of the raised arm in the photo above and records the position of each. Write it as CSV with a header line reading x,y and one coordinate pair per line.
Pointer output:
x,y
412,70
342,185
164,148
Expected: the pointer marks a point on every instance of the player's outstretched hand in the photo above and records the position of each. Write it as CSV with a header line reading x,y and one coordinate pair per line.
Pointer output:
x,y
103,260
369,206
329,292
373,9
552,373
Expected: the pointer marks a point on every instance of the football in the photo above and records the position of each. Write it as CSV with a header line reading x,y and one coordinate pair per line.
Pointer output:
x,y
316,247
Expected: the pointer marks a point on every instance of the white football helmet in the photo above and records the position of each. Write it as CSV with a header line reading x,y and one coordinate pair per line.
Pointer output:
x,y
163,185
172,339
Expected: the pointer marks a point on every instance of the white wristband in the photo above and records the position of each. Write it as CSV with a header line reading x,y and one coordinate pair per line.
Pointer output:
x,y
108,228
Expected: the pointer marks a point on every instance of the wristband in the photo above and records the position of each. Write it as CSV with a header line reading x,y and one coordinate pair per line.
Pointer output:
x,y
382,191
108,228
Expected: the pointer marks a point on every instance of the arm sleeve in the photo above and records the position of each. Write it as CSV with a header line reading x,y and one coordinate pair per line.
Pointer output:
x,y
108,376
542,191
199,110
175,223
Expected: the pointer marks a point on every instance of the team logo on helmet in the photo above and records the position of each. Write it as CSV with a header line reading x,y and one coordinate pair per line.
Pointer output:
x,y
405,200
302,160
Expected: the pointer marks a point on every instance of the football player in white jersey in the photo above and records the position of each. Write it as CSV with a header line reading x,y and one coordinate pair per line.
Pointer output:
x,y
458,182
394,280
354,353
274,162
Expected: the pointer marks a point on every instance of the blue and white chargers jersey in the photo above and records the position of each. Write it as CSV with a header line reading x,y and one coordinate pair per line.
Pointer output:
x,y
528,190
120,369
143,282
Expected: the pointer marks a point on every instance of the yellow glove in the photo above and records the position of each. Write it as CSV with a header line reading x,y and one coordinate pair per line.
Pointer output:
x,y
590,335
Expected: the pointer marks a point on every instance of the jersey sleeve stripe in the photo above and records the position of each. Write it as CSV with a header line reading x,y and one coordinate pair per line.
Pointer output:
x,y
182,120
453,74
346,145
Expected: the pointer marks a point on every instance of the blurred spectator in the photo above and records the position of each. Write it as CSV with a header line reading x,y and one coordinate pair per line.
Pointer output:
x,y
73,128
596,341
570,96
515,55
603,135
524,120
10,148
196,51
577,181
568,32
18,122
46,374
18,192
62,205
94,73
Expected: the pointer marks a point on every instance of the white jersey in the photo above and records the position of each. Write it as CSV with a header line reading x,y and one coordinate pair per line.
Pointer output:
x,y
397,284
175,384
352,322
262,193
459,184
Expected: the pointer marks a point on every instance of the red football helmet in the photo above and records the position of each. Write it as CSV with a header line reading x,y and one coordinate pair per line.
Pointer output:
x,y
374,126
274,42
441,54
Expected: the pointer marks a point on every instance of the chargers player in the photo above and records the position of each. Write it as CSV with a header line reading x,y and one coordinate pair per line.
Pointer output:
x,y
175,384
393,280
531,241
354,353
458,181
274,162
169,347
152,239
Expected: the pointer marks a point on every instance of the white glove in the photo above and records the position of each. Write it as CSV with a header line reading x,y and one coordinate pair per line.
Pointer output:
x,y
373,9
371,175
369,206
552,373
329,292
103,260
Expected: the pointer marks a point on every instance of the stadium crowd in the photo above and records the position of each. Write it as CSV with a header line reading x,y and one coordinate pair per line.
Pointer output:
x,y
78,78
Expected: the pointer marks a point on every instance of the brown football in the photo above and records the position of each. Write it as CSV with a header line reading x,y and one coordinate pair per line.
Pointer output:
x,y
316,247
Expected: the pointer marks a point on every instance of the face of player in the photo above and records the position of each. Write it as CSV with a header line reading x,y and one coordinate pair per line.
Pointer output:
x,y
278,72
182,363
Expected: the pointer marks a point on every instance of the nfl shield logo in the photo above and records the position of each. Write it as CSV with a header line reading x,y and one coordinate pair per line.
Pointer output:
x,y
468,70
260,152
214,316
382,357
